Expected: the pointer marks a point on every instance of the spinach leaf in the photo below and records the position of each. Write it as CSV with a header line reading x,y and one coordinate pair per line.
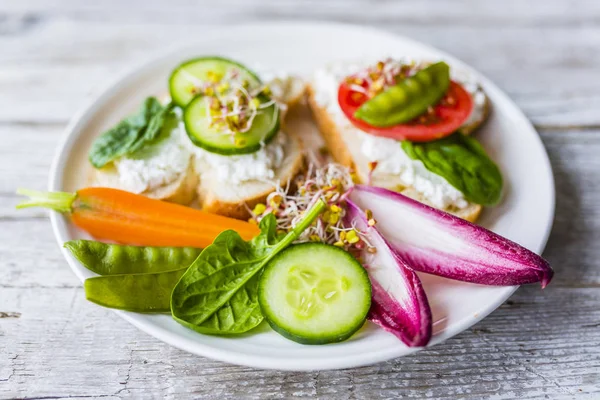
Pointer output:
x,y
132,133
219,292
463,162
154,147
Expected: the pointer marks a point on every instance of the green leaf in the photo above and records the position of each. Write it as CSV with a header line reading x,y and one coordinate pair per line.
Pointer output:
x,y
463,162
160,125
219,292
132,133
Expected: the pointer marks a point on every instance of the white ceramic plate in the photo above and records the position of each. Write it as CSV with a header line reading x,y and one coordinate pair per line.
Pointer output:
x,y
524,216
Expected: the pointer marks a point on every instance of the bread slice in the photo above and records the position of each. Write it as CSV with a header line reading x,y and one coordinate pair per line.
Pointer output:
x,y
290,91
345,148
233,200
476,123
470,213
181,191
220,197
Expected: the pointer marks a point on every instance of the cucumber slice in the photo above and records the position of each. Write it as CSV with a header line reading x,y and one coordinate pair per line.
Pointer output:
x,y
187,75
315,293
197,125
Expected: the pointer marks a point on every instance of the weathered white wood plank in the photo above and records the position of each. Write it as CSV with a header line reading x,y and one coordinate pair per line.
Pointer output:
x,y
434,12
526,348
26,153
51,60
31,257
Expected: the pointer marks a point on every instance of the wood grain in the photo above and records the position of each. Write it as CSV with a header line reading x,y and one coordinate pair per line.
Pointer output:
x,y
540,344
543,56
526,347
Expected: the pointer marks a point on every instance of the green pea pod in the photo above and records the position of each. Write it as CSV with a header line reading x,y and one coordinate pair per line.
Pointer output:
x,y
463,162
134,292
113,259
408,99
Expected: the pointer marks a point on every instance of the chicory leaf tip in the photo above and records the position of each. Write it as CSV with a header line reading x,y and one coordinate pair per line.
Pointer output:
x,y
399,303
436,242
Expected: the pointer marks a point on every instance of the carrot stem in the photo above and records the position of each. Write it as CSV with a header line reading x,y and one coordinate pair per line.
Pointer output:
x,y
57,201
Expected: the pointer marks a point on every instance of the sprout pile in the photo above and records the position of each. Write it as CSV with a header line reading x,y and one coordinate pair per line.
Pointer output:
x,y
333,183
231,102
377,77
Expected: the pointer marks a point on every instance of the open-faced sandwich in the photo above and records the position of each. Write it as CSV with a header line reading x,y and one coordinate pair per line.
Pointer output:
x,y
403,125
146,153
220,137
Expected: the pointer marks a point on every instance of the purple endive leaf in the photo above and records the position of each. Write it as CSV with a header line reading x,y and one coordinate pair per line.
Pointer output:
x,y
399,303
438,243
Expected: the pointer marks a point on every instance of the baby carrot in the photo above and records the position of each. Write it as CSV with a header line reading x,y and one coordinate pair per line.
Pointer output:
x,y
128,218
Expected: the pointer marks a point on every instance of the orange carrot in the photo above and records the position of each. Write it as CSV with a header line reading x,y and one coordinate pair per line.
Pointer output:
x,y
128,218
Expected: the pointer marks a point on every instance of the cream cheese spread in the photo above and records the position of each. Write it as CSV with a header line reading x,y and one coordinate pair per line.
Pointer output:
x,y
260,165
156,165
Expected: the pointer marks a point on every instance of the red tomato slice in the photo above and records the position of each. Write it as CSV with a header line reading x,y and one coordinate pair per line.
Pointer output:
x,y
448,117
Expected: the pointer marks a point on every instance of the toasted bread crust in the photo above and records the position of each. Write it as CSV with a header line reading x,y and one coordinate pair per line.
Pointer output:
x,y
341,154
297,98
239,209
210,202
181,191
331,134
471,215
472,127
233,210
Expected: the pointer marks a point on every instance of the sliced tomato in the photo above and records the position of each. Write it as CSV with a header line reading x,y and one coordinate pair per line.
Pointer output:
x,y
448,115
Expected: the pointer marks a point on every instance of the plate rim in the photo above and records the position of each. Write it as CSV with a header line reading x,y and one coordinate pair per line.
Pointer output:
x,y
59,223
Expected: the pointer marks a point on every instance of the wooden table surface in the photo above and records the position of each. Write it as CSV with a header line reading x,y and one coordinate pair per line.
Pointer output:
x,y
540,344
